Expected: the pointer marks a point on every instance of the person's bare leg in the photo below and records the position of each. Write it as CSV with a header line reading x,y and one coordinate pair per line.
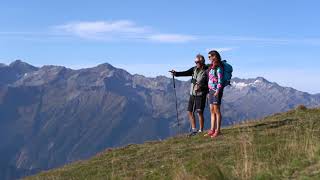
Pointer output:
x,y
201,119
218,114
192,119
213,116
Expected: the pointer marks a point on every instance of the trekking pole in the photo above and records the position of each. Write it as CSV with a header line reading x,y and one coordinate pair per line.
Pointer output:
x,y
175,94
193,108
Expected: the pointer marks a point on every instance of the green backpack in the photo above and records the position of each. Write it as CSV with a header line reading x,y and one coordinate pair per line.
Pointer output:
x,y
227,72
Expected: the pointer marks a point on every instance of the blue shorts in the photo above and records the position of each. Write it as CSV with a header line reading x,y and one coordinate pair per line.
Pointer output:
x,y
215,100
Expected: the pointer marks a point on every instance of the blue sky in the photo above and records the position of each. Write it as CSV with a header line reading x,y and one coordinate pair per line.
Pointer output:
x,y
279,40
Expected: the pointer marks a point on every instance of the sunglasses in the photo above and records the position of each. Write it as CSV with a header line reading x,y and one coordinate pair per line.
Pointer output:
x,y
197,62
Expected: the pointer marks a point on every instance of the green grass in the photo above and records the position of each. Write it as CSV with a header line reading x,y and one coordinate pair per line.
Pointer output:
x,y
282,146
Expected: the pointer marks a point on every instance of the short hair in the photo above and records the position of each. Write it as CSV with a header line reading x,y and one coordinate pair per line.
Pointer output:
x,y
201,58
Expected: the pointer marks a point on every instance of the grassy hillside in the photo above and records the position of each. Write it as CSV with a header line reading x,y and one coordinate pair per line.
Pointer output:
x,y
282,146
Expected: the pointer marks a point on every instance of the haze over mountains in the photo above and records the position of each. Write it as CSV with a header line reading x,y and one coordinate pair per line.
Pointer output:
x,y
53,115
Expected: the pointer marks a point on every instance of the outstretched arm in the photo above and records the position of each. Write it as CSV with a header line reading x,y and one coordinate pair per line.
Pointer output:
x,y
188,72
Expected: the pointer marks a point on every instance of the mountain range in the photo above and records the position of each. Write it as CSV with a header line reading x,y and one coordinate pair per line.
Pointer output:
x,y
53,115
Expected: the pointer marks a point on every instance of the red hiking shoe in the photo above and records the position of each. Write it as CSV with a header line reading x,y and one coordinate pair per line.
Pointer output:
x,y
210,133
215,134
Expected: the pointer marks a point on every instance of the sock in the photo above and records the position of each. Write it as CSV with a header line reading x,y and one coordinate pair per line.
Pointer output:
x,y
194,130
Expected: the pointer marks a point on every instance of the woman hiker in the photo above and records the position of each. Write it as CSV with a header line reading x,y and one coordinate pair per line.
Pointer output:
x,y
215,85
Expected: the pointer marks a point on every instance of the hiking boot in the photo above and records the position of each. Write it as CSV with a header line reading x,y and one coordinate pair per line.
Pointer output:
x,y
192,133
215,134
210,133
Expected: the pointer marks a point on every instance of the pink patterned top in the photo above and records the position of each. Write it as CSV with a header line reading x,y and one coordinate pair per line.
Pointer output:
x,y
215,82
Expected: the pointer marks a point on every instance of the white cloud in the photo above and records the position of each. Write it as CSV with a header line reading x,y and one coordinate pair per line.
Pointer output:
x,y
172,38
222,49
101,29
119,30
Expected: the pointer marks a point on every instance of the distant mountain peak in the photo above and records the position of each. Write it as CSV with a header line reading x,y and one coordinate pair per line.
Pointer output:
x,y
18,62
106,65
251,82
23,66
262,79
109,70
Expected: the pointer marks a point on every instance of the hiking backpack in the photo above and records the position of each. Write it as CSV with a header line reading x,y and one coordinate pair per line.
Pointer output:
x,y
227,73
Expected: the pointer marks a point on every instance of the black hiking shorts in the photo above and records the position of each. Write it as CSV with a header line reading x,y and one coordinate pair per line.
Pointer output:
x,y
197,103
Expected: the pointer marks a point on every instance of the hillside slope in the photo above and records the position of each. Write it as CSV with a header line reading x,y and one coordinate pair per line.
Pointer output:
x,y
280,146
